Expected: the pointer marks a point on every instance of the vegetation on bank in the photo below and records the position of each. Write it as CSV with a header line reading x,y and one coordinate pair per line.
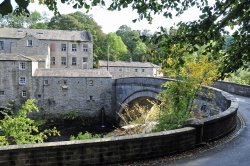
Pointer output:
x,y
19,129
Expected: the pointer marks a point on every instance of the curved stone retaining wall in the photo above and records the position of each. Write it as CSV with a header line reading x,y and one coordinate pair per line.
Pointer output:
x,y
243,90
118,149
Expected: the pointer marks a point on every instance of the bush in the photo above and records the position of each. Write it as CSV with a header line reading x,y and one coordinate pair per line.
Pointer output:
x,y
84,136
18,129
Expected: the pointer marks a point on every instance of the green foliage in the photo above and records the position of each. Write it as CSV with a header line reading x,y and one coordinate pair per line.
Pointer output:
x,y
35,21
71,115
20,129
175,103
84,136
177,100
241,77
131,39
11,109
117,49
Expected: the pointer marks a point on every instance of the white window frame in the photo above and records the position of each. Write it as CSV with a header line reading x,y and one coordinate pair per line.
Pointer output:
x,y
22,65
74,61
29,43
1,45
74,47
85,47
46,82
22,80
63,47
24,93
53,60
63,62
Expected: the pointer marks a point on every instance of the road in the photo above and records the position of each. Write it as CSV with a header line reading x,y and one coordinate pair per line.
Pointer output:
x,y
233,153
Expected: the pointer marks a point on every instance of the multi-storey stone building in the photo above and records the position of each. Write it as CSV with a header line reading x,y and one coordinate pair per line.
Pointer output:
x,y
121,69
54,68
55,48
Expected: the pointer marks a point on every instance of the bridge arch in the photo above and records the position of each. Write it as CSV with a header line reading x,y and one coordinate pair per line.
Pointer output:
x,y
135,95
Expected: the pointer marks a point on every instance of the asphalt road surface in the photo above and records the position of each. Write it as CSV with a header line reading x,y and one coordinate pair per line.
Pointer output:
x,y
235,152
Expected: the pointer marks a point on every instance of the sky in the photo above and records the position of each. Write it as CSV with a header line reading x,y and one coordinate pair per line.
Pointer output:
x,y
110,21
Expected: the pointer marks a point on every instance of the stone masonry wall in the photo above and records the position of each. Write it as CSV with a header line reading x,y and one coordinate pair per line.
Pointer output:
x,y
234,88
9,81
100,151
59,95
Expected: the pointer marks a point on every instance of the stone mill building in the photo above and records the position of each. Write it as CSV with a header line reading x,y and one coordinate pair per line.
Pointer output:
x,y
55,67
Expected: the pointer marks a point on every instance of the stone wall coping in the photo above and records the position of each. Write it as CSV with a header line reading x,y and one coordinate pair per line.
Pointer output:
x,y
96,140
231,109
233,83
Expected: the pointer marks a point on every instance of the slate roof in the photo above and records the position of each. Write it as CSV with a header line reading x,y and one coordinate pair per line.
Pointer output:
x,y
128,64
13,57
45,34
72,73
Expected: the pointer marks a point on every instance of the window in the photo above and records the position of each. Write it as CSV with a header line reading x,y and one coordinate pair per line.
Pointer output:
x,y
1,92
90,97
22,65
85,47
74,47
29,43
120,69
64,82
142,70
85,60
52,60
73,61
63,60
1,45
63,46
39,95
24,93
91,83
45,82
136,70
22,80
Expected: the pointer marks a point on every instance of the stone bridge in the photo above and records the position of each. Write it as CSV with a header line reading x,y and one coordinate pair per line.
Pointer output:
x,y
128,89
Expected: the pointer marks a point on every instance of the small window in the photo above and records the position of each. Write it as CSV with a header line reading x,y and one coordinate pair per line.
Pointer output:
x,y
91,83
136,70
64,82
63,60
22,66
52,60
142,70
85,47
120,69
1,45
29,43
45,82
22,80
90,97
63,47
74,48
73,61
39,95
24,93
1,92
84,60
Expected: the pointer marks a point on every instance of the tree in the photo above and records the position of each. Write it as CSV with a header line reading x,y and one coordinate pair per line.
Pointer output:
x,y
19,129
35,21
212,24
117,49
131,39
